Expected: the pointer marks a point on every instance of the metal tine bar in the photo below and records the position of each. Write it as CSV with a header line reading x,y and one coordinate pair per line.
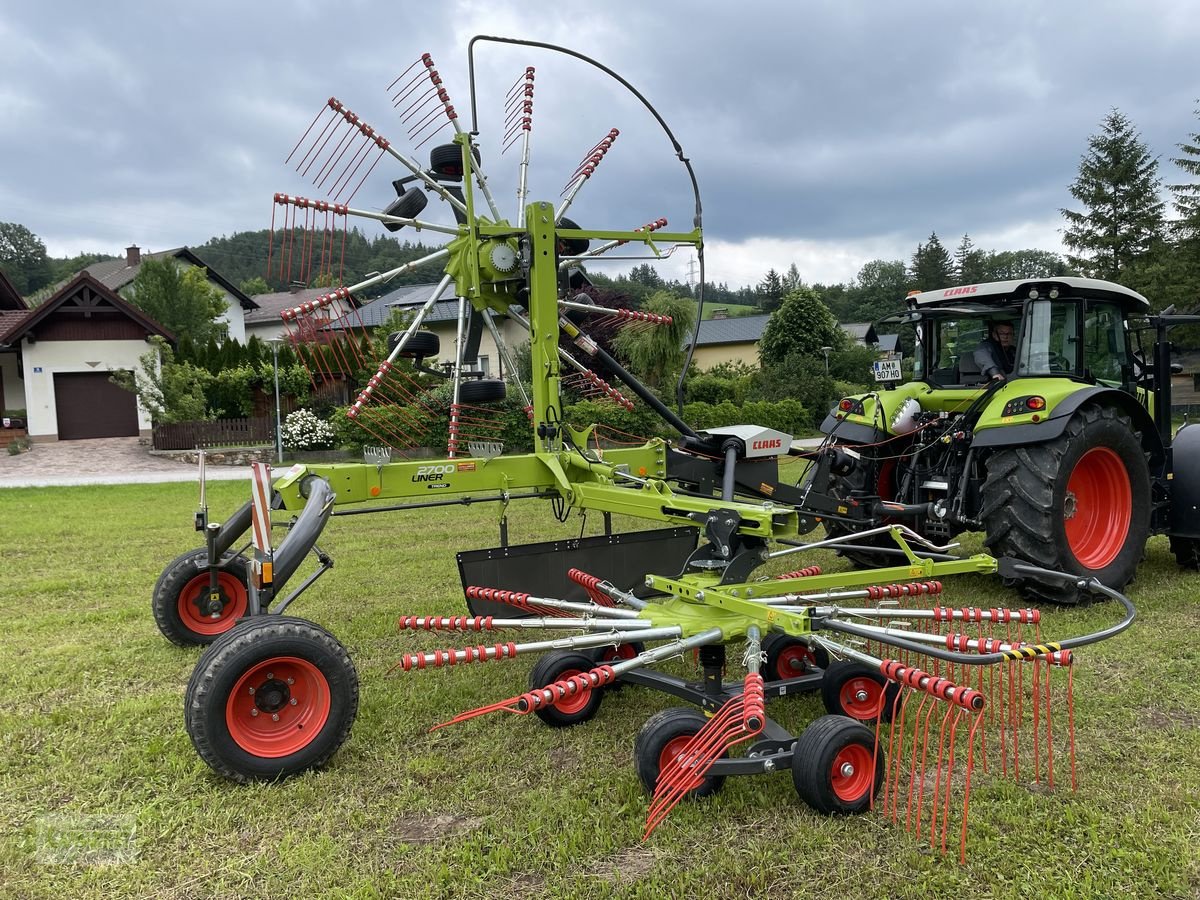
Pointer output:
x,y
575,642
444,97
906,532
527,131
490,623
506,356
459,350
577,365
405,161
611,245
664,651
342,293
582,174
590,609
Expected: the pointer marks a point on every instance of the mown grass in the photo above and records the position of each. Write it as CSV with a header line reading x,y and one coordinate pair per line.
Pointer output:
x,y
91,736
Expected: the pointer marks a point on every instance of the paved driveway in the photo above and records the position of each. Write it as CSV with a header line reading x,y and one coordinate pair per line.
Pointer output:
x,y
101,461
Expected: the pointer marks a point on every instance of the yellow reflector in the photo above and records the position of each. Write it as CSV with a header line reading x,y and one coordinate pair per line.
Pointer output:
x,y
268,572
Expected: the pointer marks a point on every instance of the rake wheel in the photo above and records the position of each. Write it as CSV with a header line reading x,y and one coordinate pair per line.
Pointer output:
x,y
661,739
575,709
836,766
184,585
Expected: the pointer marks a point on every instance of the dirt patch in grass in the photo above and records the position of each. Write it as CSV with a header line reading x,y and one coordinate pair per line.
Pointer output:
x,y
1155,719
627,865
430,829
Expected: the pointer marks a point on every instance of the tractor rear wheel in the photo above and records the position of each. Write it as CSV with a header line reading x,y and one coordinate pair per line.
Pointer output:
x,y
1078,504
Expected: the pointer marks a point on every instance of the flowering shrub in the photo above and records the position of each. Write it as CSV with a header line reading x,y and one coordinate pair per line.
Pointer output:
x,y
302,430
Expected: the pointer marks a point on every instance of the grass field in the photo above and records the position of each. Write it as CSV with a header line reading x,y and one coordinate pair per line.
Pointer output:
x,y
102,794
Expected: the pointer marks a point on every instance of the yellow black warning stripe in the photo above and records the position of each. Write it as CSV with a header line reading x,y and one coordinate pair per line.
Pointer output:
x,y
1031,650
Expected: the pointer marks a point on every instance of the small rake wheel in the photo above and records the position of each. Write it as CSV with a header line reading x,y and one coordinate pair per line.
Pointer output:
x,y
857,691
182,590
274,697
570,710
421,344
836,767
603,655
662,739
790,657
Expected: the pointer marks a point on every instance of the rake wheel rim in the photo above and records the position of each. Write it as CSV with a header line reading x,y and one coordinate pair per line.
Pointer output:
x,y
235,603
278,706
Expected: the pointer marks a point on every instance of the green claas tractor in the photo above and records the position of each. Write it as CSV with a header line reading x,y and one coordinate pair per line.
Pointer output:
x,y
1037,412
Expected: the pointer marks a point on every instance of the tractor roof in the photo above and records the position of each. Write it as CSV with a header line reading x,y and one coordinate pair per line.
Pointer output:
x,y
1016,292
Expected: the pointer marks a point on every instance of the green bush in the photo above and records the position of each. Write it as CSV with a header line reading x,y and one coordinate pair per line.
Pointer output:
x,y
641,421
798,376
787,415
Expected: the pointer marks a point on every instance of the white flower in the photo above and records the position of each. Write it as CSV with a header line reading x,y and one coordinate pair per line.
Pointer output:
x,y
302,430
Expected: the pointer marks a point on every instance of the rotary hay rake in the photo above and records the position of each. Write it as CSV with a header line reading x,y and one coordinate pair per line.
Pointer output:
x,y
920,695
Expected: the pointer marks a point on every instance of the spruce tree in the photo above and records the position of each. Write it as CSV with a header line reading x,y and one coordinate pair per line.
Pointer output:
x,y
1122,218
1186,228
931,268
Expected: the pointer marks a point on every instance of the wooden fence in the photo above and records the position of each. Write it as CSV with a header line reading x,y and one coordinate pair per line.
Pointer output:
x,y
216,433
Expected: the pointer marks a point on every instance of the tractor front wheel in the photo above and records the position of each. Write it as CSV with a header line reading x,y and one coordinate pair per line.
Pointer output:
x,y
662,739
836,766
1078,504
274,697
183,609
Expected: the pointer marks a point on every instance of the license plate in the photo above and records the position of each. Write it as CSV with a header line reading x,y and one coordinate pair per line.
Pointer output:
x,y
887,369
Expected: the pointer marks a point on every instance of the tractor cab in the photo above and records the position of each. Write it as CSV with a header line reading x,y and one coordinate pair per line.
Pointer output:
x,y
1076,328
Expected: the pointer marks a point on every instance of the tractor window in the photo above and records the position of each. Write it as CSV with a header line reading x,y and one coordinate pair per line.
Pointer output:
x,y
1049,339
1105,348
951,341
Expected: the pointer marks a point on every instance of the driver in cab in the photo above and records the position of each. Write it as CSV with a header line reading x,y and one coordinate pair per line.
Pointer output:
x,y
997,355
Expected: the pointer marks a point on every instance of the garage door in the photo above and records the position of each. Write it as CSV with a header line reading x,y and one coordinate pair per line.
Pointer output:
x,y
91,406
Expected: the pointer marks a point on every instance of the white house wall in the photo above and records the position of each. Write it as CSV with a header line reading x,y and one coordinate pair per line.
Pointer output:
x,y
234,318
45,358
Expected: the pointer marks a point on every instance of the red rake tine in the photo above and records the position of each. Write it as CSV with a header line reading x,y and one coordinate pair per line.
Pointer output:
x,y
739,719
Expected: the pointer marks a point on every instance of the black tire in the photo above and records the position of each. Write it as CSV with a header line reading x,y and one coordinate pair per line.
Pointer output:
x,y
421,345
445,161
183,585
854,690
1187,552
1030,514
790,657
485,390
602,655
660,738
408,205
572,710
831,766
573,246
246,746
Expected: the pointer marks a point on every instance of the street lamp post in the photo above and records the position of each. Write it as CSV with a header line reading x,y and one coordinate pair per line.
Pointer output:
x,y
275,370
826,350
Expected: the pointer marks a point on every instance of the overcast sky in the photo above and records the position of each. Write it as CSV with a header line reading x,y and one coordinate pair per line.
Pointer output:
x,y
822,133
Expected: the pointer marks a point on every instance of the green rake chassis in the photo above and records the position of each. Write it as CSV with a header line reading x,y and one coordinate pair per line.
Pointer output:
x,y
710,604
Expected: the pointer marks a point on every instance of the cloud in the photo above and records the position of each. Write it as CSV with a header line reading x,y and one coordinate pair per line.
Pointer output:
x,y
822,133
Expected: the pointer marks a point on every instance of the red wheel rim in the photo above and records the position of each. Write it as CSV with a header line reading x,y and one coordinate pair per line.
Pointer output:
x,y
572,703
1098,508
673,751
861,697
794,660
234,608
278,707
619,652
851,775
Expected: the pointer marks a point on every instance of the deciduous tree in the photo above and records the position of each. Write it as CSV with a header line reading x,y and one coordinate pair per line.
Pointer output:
x,y
183,300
